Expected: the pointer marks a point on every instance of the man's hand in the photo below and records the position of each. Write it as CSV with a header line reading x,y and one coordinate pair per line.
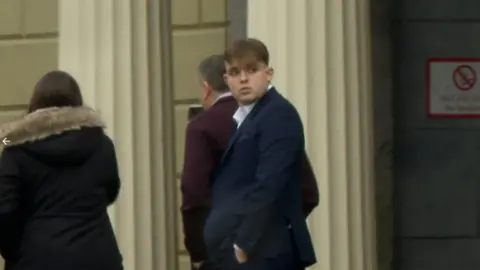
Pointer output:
x,y
240,255
197,265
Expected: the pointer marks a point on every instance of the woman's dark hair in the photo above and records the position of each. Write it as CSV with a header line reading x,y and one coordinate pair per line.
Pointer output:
x,y
55,89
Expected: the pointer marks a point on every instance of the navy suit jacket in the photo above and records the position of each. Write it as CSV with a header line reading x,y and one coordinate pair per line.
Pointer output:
x,y
256,192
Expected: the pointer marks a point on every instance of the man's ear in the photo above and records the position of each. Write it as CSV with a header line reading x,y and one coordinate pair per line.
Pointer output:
x,y
205,85
225,78
205,90
270,73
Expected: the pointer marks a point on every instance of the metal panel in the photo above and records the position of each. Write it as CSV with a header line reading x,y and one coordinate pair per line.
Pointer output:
x,y
439,9
415,42
435,160
436,173
441,254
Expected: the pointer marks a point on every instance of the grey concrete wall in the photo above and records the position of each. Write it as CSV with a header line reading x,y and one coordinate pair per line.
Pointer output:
x,y
435,160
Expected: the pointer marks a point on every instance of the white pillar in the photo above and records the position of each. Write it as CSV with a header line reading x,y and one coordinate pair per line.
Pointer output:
x,y
111,47
320,51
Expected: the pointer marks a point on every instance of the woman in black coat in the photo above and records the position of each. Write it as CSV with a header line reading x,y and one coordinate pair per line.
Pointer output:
x,y
58,174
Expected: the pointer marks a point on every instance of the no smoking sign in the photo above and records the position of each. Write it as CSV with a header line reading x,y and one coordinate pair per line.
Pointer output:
x,y
452,88
464,77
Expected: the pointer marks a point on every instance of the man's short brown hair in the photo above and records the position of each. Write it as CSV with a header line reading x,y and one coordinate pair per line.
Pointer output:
x,y
212,70
249,49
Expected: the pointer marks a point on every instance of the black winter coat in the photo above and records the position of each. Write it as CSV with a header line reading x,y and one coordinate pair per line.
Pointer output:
x,y
58,174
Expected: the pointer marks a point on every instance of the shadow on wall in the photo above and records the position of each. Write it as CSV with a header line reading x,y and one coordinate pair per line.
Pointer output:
x,y
382,65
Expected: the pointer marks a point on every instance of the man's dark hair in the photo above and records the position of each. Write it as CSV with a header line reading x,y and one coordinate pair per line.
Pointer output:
x,y
212,70
55,89
247,50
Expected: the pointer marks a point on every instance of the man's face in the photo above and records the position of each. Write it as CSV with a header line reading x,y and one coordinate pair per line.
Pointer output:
x,y
249,81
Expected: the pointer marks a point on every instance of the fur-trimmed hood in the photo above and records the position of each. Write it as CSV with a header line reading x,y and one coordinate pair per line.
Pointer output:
x,y
47,122
49,134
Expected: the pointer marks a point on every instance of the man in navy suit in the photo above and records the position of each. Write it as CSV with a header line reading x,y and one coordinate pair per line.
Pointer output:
x,y
256,219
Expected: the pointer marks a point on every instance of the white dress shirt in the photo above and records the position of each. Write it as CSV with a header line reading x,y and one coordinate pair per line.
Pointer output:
x,y
243,111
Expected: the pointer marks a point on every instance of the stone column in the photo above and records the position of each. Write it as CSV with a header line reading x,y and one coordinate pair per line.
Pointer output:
x,y
321,53
116,49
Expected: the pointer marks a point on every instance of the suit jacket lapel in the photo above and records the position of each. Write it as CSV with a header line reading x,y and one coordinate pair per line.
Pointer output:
x,y
260,104
234,138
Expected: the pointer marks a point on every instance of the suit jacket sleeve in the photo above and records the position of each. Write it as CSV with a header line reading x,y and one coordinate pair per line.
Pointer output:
x,y
195,185
310,193
280,142
9,202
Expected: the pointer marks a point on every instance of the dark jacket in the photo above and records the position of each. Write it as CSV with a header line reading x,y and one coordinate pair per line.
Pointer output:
x,y
256,194
58,174
207,137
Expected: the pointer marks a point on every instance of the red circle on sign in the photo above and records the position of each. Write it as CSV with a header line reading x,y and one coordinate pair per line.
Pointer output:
x,y
464,77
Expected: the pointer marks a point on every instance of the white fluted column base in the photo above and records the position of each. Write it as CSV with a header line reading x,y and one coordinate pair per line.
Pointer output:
x,y
111,47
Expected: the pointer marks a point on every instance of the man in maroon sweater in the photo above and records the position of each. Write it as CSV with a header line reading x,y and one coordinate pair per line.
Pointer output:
x,y
207,136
